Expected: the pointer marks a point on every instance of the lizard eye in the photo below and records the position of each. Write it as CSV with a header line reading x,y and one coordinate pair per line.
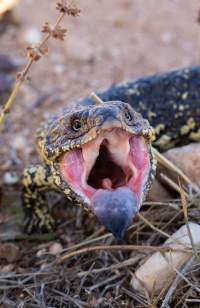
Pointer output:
x,y
76,125
127,115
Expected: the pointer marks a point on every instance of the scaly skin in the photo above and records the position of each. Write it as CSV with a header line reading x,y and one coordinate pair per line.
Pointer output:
x,y
171,103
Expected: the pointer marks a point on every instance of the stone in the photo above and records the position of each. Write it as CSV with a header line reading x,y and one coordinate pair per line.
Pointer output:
x,y
11,178
187,158
55,248
159,269
9,251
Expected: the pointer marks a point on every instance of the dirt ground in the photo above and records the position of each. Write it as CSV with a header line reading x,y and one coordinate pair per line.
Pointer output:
x,y
110,42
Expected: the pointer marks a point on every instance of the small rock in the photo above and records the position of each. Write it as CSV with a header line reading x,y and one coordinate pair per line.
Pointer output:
x,y
11,178
44,266
55,248
187,158
41,252
10,252
160,268
7,268
19,142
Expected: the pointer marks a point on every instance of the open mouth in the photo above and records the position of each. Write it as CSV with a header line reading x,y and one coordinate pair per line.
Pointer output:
x,y
114,164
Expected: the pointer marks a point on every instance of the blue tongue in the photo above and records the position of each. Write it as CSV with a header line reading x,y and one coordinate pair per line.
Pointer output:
x,y
116,209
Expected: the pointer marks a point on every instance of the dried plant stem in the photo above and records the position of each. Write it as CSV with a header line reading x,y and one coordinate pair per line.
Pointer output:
x,y
185,212
172,184
10,101
96,98
92,240
23,75
175,283
69,255
153,227
120,265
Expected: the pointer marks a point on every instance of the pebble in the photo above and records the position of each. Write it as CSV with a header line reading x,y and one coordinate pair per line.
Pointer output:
x,y
55,248
40,252
10,178
187,158
159,268
7,268
9,252
19,142
44,266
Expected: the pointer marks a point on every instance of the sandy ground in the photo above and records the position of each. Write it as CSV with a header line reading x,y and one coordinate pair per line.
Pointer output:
x,y
111,41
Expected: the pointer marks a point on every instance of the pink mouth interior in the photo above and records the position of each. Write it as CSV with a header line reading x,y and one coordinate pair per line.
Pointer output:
x,y
114,159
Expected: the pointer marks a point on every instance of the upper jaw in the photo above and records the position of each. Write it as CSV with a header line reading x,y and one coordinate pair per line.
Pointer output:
x,y
98,120
142,129
116,142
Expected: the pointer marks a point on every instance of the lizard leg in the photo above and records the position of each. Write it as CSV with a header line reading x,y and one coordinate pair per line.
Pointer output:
x,y
35,181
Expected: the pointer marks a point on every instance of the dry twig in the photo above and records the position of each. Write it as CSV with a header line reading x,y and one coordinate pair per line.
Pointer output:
x,y
34,53
185,212
117,248
175,283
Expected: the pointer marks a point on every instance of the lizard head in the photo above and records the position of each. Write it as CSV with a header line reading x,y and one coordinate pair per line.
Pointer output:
x,y
101,158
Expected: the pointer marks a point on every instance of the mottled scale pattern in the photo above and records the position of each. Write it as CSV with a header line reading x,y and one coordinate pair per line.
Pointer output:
x,y
36,180
170,101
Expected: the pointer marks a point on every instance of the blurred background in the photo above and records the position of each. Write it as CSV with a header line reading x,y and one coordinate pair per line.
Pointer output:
x,y
111,41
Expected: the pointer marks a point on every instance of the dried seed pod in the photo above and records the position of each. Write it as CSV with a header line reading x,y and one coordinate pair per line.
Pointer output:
x,y
70,9
47,28
33,53
59,33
